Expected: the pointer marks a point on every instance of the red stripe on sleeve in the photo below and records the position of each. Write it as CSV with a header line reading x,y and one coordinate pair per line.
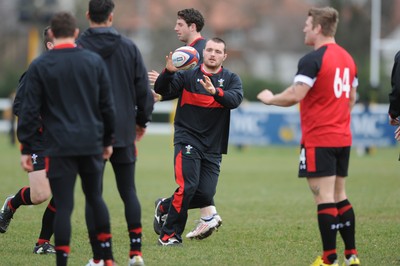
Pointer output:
x,y
220,92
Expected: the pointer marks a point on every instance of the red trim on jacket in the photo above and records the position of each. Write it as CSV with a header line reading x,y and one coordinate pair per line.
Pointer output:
x,y
201,100
64,46
196,40
208,73
219,92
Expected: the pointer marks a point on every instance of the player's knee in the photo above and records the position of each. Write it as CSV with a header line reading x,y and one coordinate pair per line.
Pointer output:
x,y
41,197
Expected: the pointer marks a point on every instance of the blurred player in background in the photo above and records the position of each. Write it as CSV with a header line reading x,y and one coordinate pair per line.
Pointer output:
x,y
69,93
134,103
394,96
39,190
325,85
188,28
206,95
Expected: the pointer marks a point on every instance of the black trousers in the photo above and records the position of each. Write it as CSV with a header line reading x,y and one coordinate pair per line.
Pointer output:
x,y
196,174
123,161
62,173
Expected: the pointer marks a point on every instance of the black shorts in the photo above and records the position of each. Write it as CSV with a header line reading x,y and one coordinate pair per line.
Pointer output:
x,y
70,166
324,161
124,154
38,161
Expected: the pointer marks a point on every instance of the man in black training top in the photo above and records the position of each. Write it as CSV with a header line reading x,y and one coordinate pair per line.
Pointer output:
x,y
68,92
134,105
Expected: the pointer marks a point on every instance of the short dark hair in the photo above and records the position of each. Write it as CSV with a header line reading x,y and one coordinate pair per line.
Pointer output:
x,y
218,40
191,15
63,24
100,10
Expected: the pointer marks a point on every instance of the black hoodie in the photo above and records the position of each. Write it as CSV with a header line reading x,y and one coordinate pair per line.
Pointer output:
x,y
130,85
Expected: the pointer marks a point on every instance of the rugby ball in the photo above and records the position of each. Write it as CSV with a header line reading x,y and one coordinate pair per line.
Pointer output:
x,y
185,58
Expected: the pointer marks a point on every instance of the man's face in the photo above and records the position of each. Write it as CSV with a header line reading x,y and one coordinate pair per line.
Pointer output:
x,y
182,30
310,33
214,54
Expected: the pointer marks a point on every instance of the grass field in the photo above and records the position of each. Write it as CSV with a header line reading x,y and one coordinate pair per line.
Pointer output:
x,y
269,217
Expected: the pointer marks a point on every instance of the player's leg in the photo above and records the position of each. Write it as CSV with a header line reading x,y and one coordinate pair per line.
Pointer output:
x,y
37,192
43,245
187,165
62,173
123,161
12,203
204,196
125,177
91,172
94,243
346,213
319,166
327,213
39,186
161,212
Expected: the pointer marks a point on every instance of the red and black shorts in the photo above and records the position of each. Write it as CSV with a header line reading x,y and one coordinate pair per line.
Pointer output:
x,y
324,161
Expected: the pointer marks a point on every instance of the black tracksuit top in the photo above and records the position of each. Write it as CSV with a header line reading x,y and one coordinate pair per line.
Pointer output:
x,y
37,138
202,120
133,98
77,110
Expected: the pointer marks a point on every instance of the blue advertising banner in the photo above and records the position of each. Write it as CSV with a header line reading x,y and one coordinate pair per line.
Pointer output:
x,y
258,124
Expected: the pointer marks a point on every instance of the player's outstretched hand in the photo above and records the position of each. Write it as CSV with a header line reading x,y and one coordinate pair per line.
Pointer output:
x,y
153,75
169,65
265,96
397,134
207,84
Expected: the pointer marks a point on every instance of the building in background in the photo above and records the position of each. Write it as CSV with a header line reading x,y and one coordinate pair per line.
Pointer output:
x,y
264,38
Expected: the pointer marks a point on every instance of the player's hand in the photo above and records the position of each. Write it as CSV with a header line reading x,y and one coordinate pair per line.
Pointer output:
x,y
207,84
140,131
265,96
169,65
394,121
397,134
26,162
153,75
157,97
107,152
